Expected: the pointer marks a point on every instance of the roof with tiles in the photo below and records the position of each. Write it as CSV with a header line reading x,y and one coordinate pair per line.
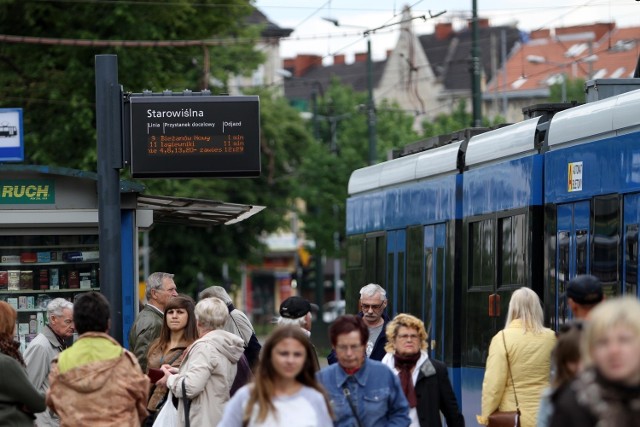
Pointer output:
x,y
587,51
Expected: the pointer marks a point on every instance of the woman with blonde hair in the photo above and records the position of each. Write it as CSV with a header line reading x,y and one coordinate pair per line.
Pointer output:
x,y
519,361
606,393
19,399
425,382
285,392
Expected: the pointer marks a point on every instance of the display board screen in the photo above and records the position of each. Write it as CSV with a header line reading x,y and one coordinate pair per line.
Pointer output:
x,y
194,136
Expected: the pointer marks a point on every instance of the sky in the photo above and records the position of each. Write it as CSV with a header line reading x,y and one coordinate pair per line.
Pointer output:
x,y
314,35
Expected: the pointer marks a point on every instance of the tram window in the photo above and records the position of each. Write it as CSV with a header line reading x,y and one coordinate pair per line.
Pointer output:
x,y
481,253
415,243
563,272
354,251
606,238
512,241
581,251
375,256
402,303
631,259
381,253
428,281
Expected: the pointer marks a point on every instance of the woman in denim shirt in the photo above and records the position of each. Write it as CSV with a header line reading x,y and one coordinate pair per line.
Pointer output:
x,y
363,392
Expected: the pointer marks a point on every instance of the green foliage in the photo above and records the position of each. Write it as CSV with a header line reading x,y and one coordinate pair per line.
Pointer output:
x,y
574,88
459,119
187,250
55,85
325,172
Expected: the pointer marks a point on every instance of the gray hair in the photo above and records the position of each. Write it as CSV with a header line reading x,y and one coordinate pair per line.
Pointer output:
x,y
300,321
211,313
57,305
371,290
154,282
216,291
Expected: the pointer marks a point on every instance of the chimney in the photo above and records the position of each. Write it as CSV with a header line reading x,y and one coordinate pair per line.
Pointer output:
x,y
338,59
540,34
361,57
482,23
443,30
302,64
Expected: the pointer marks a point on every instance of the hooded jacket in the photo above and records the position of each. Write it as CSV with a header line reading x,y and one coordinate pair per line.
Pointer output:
x,y
207,371
97,383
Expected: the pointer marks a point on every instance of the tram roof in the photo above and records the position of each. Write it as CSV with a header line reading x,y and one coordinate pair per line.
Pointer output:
x,y
616,115
166,209
431,163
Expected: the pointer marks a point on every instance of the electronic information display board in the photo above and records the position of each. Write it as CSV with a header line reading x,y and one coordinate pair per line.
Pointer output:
x,y
194,136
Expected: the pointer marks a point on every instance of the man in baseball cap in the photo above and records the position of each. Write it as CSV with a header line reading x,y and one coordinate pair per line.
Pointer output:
x,y
583,293
296,310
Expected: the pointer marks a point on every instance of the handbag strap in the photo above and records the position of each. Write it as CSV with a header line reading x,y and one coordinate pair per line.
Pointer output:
x,y
347,394
513,384
186,404
176,357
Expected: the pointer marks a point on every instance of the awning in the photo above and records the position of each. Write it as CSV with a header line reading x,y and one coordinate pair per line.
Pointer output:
x,y
200,212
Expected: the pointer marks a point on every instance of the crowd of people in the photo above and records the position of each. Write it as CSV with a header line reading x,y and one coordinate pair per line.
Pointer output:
x,y
200,364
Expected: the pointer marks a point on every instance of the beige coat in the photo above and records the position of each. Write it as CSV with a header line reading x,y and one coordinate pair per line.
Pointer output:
x,y
530,359
208,371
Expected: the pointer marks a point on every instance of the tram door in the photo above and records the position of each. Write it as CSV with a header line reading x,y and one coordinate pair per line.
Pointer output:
x,y
434,288
630,247
396,267
572,254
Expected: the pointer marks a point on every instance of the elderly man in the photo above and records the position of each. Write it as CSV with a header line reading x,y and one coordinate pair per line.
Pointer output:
x,y
296,310
96,382
45,347
363,392
373,302
146,328
237,323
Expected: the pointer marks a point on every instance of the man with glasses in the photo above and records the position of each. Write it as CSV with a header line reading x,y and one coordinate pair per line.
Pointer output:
x,y
160,289
373,302
45,347
363,392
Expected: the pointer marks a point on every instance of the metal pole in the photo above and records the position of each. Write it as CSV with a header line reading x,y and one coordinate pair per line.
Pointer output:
x,y
109,139
371,110
475,69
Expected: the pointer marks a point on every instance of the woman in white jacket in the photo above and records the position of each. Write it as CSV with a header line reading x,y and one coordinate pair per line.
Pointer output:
x,y
209,367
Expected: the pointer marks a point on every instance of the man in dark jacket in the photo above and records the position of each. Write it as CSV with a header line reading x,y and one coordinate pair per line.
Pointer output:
x,y
373,302
146,328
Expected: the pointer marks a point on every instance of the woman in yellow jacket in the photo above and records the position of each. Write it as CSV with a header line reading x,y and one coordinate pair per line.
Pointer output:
x,y
528,345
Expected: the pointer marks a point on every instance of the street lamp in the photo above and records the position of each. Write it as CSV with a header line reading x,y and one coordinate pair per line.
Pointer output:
x,y
537,59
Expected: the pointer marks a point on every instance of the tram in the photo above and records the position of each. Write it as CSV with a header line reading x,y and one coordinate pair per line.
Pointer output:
x,y
450,232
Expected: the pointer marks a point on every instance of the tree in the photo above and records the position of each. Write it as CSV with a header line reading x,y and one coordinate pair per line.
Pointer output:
x,y
325,173
187,250
574,89
55,85
459,119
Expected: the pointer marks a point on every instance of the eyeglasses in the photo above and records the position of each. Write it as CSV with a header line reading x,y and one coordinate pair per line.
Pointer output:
x,y
374,307
406,337
346,348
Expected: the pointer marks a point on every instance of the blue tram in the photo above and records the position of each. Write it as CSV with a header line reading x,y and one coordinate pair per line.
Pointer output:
x,y
452,231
